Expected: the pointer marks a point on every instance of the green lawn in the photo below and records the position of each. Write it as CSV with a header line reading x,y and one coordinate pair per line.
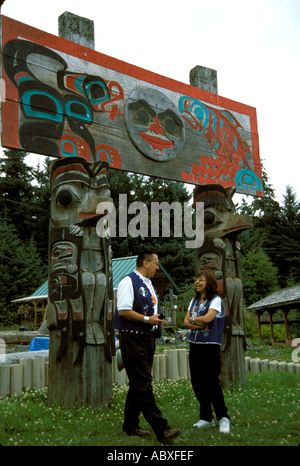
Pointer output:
x,y
266,413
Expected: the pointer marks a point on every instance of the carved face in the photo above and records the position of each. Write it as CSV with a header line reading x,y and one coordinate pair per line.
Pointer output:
x,y
77,189
215,220
219,218
154,124
219,222
63,254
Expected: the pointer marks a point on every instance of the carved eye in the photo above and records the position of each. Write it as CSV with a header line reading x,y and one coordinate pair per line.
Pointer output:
x,y
143,117
141,113
170,125
209,217
66,196
212,217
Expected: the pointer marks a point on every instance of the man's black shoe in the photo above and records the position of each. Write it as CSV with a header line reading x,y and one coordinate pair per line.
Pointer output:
x,y
139,432
169,434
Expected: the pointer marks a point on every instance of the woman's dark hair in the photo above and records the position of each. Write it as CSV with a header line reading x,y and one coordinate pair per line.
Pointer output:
x,y
211,284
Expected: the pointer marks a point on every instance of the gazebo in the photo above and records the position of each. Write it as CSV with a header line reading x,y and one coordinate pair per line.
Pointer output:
x,y
38,300
282,300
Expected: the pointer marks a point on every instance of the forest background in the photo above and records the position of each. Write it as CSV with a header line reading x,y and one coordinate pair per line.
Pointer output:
x,y
270,250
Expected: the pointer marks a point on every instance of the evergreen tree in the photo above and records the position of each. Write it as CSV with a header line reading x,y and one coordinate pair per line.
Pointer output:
x,y
175,257
276,231
21,270
287,252
259,276
16,191
25,198
41,209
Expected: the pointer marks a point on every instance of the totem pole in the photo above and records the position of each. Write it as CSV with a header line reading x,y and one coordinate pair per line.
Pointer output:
x,y
80,285
80,290
220,254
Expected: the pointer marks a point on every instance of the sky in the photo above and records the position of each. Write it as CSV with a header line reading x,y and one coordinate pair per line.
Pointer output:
x,y
253,44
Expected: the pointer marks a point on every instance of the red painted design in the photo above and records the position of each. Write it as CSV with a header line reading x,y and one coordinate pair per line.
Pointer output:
x,y
117,92
108,154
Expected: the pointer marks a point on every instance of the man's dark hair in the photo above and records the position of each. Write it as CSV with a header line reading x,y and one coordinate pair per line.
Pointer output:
x,y
145,255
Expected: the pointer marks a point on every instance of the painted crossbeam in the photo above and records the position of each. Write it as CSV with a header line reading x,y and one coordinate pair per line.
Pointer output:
x,y
63,99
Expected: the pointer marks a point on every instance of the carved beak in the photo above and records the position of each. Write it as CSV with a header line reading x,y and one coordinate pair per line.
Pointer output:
x,y
237,222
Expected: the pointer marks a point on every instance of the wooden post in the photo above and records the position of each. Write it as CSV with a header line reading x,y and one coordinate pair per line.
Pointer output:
x,y
259,325
286,324
204,78
79,315
271,326
77,29
220,254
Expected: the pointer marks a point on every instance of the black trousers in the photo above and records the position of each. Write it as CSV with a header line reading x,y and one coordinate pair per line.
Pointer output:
x,y
205,368
138,353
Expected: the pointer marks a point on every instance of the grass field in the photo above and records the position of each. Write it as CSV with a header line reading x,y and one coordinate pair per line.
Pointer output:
x,y
265,413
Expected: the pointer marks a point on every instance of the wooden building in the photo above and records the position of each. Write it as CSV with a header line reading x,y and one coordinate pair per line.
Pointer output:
x,y
282,300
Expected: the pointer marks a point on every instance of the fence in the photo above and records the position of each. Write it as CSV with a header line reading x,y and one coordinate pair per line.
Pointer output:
x,y
172,364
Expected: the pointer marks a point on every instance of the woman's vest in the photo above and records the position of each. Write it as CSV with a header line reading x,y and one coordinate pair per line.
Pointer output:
x,y
213,332
142,303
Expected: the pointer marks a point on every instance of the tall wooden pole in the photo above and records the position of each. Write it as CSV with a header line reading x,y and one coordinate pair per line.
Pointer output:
x,y
220,254
80,274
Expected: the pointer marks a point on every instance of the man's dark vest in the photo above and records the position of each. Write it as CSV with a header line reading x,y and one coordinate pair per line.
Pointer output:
x,y
142,303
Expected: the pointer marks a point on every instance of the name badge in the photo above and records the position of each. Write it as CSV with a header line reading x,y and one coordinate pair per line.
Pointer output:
x,y
143,291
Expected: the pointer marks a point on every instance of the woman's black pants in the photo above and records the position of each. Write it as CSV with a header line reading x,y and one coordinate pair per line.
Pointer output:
x,y
205,368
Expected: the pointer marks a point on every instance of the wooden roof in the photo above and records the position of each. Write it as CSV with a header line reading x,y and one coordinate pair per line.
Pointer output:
x,y
287,297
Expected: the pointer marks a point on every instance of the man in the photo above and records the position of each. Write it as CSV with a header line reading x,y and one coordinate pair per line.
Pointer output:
x,y
136,317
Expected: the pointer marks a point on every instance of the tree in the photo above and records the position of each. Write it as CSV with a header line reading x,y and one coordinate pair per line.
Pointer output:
x,y
21,270
41,209
25,198
16,191
275,230
259,276
177,260
287,254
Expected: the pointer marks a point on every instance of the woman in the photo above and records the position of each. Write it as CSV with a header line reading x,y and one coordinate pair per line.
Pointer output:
x,y
205,318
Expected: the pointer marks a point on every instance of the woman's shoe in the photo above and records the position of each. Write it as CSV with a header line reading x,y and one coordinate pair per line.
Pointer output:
x,y
224,425
202,423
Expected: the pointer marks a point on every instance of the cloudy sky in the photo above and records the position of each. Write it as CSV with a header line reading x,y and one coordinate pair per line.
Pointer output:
x,y
253,44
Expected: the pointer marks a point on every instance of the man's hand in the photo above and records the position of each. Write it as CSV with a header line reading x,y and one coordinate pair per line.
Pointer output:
x,y
155,320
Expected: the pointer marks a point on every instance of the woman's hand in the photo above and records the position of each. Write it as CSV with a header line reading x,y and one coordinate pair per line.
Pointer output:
x,y
197,325
191,324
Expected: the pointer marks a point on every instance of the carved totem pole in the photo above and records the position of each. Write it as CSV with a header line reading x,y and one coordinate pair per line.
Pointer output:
x,y
220,254
80,286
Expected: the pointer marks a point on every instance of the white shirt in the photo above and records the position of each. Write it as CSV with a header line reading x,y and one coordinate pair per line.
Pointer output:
x,y
125,293
216,305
